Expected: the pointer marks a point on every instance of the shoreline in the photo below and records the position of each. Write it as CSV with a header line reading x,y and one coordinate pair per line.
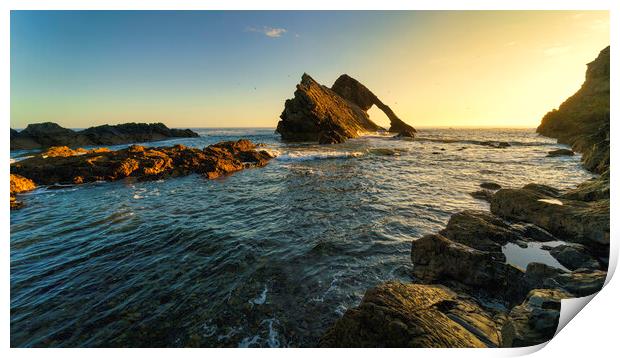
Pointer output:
x,y
462,266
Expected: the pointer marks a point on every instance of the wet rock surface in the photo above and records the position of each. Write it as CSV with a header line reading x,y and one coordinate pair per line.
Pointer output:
x,y
437,259
48,134
64,166
411,315
570,220
329,116
535,320
574,256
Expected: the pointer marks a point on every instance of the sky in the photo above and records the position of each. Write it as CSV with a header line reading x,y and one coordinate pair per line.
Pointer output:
x,y
236,68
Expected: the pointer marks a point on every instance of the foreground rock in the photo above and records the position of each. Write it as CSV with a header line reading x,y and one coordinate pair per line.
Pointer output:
x,y
19,184
140,162
582,121
574,256
569,220
44,135
437,259
410,315
590,190
535,320
320,114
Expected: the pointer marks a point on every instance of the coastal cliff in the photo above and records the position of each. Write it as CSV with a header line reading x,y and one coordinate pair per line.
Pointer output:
x,y
48,134
582,121
320,114
465,293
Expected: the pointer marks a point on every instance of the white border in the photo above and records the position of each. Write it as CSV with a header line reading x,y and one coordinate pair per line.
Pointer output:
x,y
593,332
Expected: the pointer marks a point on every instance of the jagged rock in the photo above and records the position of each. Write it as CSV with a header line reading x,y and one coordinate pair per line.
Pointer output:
x,y
320,114
64,151
19,184
590,190
574,256
574,221
582,121
410,315
560,153
536,273
143,163
480,230
490,186
437,259
582,282
353,91
535,320
48,134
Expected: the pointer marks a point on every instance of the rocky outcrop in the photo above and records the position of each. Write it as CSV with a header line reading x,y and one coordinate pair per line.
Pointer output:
x,y
570,220
411,315
590,190
490,186
437,259
142,163
480,230
582,121
352,90
574,256
19,184
44,135
535,320
560,153
320,114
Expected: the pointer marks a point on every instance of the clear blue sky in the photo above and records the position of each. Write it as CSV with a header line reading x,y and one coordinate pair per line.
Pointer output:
x,y
221,69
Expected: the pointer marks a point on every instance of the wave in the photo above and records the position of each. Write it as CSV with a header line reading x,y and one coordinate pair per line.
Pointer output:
x,y
485,142
316,155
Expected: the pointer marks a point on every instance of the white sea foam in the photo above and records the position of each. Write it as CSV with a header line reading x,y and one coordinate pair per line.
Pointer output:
x,y
249,341
316,155
260,299
272,339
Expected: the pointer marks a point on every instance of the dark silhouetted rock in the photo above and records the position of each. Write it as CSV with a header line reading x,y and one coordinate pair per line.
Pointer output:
x,y
582,121
44,135
535,320
410,315
561,153
493,144
319,114
490,186
482,195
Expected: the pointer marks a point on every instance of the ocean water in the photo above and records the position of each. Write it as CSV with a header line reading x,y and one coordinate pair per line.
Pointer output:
x,y
266,257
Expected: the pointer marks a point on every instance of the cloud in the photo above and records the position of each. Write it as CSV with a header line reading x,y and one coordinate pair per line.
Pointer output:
x,y
556,50
268,31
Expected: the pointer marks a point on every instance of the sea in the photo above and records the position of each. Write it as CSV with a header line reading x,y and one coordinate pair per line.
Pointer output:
x,y
266,257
